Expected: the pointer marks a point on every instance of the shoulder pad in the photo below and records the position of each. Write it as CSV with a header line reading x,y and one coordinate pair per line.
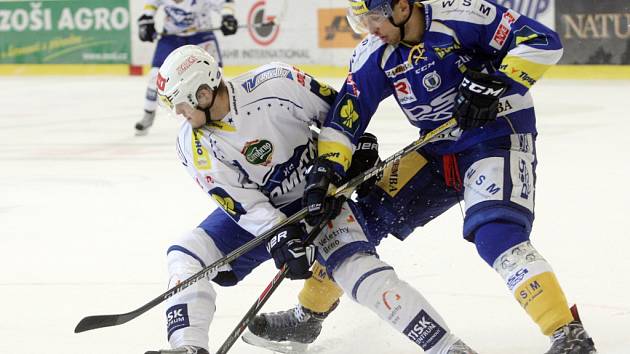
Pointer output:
x,y
368,47
183,142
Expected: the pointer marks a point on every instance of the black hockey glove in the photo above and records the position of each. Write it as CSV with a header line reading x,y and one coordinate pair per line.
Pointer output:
x,y
320,206
365,157
229,25
477,99
146,28
286,247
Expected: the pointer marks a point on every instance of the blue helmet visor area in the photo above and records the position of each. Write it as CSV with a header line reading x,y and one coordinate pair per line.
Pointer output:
x,y
364,20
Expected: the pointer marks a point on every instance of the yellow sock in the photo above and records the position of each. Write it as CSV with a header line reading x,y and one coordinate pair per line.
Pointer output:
x,y
542,298
319,292
534,285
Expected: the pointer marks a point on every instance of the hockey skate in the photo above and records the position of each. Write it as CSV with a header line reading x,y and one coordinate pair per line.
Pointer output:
x,y
183,350
572,338
289,331
460,347
142,127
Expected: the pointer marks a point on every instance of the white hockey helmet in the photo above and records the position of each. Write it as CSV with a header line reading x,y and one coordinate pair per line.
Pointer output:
x,y
183,72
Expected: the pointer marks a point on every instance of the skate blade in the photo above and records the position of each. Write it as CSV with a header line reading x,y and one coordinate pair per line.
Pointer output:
x,y
281,347
142,132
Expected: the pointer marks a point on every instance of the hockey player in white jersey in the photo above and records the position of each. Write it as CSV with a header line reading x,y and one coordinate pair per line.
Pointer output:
x,y
185,22
247,143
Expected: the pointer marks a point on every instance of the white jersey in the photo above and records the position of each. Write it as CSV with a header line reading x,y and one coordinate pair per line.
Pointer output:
x,y
186,17
253,161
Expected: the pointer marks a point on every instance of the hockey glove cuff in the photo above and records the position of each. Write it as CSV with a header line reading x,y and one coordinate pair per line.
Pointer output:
x,y
229,25
321,207
146,28
477,99
287,247
365,157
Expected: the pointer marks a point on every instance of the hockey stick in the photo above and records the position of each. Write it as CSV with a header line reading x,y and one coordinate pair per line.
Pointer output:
x,y
215,29
275,282
262,299
100,321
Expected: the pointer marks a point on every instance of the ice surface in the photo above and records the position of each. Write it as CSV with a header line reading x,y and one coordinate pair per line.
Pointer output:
x,y
87,211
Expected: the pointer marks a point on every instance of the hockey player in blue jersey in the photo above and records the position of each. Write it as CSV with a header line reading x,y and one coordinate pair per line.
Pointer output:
x,y
476,61
185,22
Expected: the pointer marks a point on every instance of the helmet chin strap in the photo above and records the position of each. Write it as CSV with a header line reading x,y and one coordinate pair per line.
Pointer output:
x,y
207,110
401,26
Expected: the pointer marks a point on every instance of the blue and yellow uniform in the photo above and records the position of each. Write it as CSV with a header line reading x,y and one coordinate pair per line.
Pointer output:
x,y
497,161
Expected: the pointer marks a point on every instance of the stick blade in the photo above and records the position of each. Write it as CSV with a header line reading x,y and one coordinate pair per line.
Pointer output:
x,y
93,322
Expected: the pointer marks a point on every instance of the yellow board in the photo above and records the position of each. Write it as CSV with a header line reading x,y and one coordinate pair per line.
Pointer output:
x,y
602,72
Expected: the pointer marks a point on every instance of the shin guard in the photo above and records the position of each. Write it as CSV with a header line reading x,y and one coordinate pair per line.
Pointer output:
x,y
534,285
375,285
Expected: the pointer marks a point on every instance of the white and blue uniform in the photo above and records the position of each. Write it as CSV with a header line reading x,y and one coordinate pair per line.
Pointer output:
x,y
497,161
253,164
186,22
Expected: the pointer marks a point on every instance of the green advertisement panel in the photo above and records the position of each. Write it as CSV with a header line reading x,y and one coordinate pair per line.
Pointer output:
x,y
65,32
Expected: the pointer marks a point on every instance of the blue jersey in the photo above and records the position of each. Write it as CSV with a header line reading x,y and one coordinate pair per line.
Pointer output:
x,y
459,35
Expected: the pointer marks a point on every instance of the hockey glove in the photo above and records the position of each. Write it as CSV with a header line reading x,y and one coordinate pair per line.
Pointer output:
x,y
477,99
320,206
146,28
365,157
229,25
286,247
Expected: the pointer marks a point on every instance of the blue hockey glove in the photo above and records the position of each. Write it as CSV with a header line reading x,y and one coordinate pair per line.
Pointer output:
x,y
477,99
286,247
229,25
146,28
320,206
365,157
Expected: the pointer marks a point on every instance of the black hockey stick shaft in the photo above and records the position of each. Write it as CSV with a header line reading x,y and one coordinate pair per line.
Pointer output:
x,y
264,296
100,321
215,29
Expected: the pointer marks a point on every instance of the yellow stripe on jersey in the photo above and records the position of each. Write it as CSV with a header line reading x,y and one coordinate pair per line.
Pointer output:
x,y
543,300
220,125
521,39
201,159
522,71
319,293
397,174
335,152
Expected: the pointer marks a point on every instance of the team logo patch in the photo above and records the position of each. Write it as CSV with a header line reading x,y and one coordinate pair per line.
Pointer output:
x,y
347,118
258,152
533,38
177,318
404,91
231,206
431,81
424,331
416,54
262,77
